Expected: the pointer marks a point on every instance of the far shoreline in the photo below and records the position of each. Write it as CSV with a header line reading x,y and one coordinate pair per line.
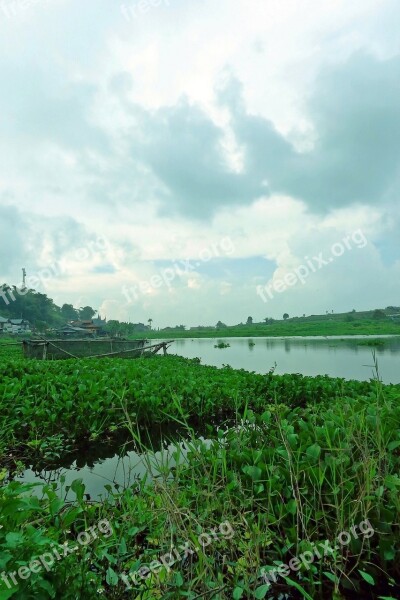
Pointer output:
x,y
310,336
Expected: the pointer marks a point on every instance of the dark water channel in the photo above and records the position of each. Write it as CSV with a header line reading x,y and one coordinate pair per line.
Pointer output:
x,y
114,467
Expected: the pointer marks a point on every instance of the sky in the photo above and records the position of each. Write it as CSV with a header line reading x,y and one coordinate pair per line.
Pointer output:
x,y
193,161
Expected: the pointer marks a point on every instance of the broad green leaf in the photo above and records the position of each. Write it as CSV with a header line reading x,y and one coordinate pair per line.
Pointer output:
x,y
253,471
14,539
178,580
6,594
393,445
314,451
78,488
331,576
367,577
262,591
112,577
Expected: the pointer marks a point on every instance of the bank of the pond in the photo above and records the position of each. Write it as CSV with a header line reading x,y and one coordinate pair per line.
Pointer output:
x,y
285,329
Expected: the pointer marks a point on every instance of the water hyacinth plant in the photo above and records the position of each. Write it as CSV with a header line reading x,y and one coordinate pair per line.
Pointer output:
x,y
290,462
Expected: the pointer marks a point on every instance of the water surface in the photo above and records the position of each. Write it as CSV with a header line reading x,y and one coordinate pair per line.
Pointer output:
x,y
334,356
117,470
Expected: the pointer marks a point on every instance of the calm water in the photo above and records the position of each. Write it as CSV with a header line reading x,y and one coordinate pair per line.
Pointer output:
x,y
117,471
335,356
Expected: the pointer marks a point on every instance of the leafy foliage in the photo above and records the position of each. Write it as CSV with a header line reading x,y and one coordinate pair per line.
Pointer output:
x,y
291,461
42,399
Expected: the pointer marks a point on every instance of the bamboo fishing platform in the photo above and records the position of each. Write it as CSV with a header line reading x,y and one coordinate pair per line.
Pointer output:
x,y
46,349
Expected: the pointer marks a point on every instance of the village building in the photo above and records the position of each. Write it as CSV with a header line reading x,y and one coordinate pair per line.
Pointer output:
x,y
93,327
13,326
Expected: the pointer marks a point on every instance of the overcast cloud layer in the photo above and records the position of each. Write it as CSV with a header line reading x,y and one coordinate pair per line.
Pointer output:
x,y
246,137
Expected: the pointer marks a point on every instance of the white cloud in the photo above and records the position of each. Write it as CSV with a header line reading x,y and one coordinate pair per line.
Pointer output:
x,y
126,130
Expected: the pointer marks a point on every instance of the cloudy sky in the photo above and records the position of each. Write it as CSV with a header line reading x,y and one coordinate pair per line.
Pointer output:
x,y
195,161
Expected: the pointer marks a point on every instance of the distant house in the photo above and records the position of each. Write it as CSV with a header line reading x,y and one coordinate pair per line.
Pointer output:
x,y
93,327
14,326
3,323
99,322
69,330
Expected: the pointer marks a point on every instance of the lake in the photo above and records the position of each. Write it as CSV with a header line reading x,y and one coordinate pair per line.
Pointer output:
x,y
343,356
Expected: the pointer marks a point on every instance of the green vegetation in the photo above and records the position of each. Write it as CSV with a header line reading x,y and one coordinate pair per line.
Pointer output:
x,y
45,402
43,313
285,329
291,461
373,343
361,323
222,345
37,308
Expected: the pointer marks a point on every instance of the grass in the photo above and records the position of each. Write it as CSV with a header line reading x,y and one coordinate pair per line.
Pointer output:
x,y
373,343
292,327
291,462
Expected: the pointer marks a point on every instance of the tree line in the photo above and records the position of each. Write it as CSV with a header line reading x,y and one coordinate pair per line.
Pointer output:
x,y
38,308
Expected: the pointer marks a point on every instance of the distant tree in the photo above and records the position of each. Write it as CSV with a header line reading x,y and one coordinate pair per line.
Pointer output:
x,y
86,313
138,327
221,325
269,321
32,306
249,321
150,322
113,326
40,326
285,316
68,312
378,314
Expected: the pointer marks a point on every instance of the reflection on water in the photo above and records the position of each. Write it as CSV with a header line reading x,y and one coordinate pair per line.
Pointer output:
x,y
116,471
335,356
